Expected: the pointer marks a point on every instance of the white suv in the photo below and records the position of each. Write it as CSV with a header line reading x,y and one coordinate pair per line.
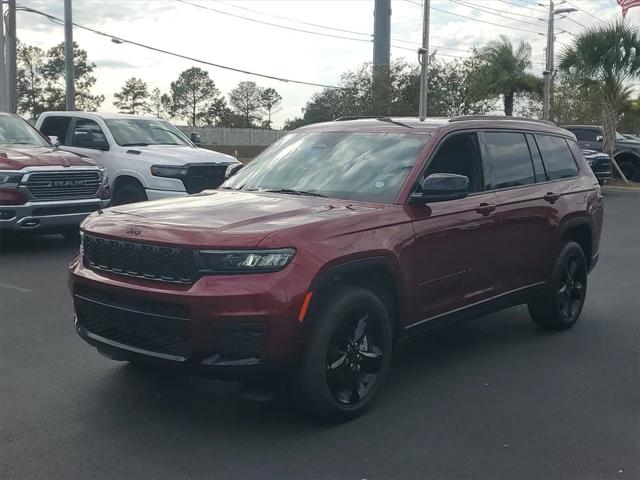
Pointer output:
x,y
145,158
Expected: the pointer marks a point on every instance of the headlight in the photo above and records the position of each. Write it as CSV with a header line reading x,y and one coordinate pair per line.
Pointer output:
x,y
10,178
245,261
169,171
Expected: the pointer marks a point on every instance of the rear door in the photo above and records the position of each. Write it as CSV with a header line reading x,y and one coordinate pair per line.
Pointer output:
x,y
513,169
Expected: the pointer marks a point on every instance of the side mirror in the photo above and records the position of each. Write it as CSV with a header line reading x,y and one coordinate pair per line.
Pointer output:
x,y
196,138
54,140
439,187
599,138
233,169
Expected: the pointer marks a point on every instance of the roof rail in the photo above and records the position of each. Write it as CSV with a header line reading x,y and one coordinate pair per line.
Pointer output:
x,y
357,117
500,117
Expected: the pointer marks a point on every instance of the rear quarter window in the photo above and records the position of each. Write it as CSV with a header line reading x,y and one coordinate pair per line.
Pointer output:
x,y
557,157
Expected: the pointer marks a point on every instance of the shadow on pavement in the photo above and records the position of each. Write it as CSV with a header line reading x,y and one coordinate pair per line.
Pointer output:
x,y
12,243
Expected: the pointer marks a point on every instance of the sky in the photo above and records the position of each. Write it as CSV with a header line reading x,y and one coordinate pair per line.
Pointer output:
x,y
456,26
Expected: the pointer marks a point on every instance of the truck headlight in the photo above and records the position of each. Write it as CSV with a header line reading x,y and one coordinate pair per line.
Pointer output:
x,y
169,171
10,178
245,261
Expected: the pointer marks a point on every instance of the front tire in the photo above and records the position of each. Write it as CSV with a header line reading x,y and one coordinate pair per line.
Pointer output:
x,y
348,354
560,306
129,193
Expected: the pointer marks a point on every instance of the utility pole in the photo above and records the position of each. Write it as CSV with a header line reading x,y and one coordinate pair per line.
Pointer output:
x,y
70,92
423,55
549,67
3,79
12,78
381,55
549,73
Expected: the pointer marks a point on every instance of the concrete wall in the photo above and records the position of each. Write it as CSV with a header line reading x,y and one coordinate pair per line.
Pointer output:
x,y
212,136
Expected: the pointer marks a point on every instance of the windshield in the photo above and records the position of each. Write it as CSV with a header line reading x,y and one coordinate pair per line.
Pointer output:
x,y
15,131
129,132
354,166
619,136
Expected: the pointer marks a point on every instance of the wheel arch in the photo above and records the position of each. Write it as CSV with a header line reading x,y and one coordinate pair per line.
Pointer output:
x,y
579,230
379,274
125,179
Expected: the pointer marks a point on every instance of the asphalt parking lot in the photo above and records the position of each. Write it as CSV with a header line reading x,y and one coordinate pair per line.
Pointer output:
x,y
491,398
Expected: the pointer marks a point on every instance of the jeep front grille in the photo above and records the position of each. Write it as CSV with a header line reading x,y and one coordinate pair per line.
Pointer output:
x,y
64,185
142,260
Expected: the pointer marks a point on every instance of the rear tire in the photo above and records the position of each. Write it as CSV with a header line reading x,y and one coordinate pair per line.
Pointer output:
x,y
347,357
560,306
630,170
129,193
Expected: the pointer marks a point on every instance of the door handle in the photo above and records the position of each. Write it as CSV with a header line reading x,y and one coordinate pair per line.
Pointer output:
x,y
485,208
551,197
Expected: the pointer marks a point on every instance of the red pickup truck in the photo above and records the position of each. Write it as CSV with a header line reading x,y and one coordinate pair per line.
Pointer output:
x,y
43,189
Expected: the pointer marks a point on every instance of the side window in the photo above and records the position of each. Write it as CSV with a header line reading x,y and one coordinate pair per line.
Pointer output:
x,y
507,161
88,134
557,157
56,127
538,166
581,134
591,134
459,155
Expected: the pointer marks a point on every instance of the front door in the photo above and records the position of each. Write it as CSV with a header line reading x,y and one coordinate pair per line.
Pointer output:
x,y
453,256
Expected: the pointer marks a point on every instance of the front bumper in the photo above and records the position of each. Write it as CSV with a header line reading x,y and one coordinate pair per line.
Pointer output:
x,y
233,326
48,215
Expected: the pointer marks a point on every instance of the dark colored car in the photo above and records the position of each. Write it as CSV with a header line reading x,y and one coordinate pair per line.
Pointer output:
x,y
337,242
43,189
627,151
600,164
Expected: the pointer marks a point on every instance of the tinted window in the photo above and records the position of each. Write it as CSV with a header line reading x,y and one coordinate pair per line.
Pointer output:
x,y
459,155
557,157
538,166
507,162
581,134
16,131
349,165
56,127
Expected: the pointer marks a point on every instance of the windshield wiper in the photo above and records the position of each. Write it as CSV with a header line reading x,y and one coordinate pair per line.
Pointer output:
x,y
294,192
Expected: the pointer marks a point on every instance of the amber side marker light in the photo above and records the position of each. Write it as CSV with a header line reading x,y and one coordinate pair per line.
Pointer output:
x,y
305,306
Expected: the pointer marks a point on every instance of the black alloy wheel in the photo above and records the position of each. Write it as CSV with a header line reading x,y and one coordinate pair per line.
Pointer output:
x,y
354,358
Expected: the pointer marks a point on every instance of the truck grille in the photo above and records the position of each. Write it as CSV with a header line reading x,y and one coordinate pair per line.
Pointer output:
x,y
167,264
64,185
202,177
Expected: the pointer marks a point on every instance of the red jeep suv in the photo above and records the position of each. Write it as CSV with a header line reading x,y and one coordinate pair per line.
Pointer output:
x,y
338,241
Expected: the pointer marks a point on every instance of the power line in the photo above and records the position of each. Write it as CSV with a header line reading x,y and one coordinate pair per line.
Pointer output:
x,y
488,11
285,27
327,27
275,25
584,11
477,20
516,5
118,39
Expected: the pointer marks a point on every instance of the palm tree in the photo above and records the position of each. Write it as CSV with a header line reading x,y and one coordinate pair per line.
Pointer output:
x,y
605,56
504,71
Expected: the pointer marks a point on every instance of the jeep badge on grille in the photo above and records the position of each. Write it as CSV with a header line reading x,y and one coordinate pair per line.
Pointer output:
x,y
134,231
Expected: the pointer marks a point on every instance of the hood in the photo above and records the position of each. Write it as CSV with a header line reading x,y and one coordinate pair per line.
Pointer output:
x,y
593,153
627,143
181,154
220,218
20,156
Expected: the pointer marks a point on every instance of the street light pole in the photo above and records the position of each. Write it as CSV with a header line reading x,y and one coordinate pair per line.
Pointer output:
x,y
423,55
70,91
381,56
12,79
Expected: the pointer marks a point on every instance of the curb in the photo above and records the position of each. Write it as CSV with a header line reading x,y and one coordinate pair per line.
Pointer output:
x,y
622,189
